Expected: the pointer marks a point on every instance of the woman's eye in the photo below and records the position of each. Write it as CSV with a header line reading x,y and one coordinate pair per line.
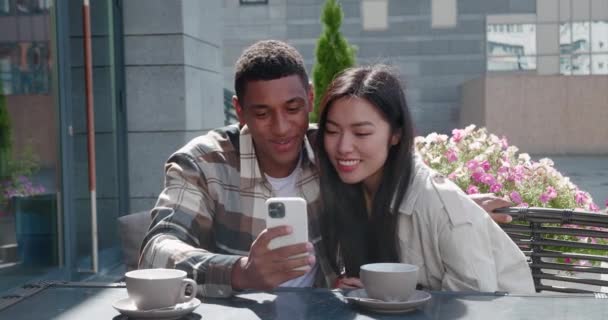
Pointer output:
x,y
330,132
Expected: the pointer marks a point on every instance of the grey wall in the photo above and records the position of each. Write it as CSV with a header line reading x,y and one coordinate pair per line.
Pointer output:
x,y
173,70
433,62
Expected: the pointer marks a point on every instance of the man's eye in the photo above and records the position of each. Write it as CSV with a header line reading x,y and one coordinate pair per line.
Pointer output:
x,y
362,134
294,109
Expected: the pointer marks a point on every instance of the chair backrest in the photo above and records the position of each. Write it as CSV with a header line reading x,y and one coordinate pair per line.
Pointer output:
x,y
133,228
548,238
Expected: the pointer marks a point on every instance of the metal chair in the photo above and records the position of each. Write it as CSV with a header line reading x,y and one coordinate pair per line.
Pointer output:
x,y
537,232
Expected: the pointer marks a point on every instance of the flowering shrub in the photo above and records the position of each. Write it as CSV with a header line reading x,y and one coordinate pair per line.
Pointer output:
x,y
18,183
19,187
479,162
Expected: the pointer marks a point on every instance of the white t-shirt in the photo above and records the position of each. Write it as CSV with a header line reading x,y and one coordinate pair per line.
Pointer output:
x,y
286,187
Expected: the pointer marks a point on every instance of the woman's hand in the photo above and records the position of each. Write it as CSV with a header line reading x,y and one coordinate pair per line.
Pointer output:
x,y
489,202
348,283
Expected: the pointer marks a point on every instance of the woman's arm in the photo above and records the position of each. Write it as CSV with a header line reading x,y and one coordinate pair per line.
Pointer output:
x,y
478,255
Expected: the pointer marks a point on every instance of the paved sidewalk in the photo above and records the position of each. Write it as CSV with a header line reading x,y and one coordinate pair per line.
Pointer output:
x,y
589,173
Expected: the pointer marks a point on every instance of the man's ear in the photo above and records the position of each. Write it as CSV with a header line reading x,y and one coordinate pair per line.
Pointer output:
x,y
311,97
239,110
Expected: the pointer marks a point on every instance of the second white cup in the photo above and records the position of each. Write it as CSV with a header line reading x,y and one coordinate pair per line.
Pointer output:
x,y
389,281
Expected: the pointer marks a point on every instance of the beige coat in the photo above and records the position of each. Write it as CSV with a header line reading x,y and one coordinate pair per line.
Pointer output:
x,y
454,241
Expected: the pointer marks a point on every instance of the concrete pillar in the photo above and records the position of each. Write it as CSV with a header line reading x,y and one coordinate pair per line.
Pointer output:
x,y
173,71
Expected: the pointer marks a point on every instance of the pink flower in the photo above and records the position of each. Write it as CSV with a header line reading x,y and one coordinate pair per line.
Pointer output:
x,y
495,188
488,179
504,143
551,192
515,197
547,196
544,198
504,169
593,207
517,174
451,155
485,165
606,202
472,189
452,176
478,175
457,135
472,164
580,197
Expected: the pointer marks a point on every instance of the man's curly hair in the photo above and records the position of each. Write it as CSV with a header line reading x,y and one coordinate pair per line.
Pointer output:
x,y
268,60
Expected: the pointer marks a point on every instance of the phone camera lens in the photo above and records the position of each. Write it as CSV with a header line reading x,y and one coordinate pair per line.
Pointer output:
x,y
276,210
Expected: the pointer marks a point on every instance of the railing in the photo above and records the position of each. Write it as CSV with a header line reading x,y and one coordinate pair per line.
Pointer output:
x,y
550,237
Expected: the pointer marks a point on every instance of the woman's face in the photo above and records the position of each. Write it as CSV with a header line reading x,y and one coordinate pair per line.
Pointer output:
x,y
357,140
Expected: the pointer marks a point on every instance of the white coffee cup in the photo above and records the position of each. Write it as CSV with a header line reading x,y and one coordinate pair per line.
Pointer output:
x,y
158,288
389,281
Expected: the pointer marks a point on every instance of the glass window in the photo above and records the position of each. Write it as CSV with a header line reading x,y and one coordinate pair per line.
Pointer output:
x,y
565,38
5,7
599,36
513,42
29,219
599,64
512,63
253,1
581,41
32,6
565,65
581,64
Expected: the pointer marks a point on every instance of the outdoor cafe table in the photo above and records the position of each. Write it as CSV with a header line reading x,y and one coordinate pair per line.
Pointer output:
x,y
92,301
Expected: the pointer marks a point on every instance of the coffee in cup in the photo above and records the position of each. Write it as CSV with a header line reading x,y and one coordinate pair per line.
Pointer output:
x,y
389,281
158,288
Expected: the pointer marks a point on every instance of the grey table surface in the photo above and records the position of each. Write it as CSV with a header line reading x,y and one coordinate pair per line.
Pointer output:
x,y
82,301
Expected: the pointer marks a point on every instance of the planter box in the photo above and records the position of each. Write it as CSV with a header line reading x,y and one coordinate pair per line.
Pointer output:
x,y
36,229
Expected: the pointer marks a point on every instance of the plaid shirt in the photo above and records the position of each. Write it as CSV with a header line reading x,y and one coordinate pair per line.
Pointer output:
x,y
213,208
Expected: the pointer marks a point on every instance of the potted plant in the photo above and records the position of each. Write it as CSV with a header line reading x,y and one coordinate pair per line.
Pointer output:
x,y
480,162
29,215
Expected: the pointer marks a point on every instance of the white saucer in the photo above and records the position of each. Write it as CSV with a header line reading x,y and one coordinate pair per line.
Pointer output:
x,y
128,308
360,298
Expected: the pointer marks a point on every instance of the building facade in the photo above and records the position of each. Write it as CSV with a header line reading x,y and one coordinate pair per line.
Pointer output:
x,y
543,37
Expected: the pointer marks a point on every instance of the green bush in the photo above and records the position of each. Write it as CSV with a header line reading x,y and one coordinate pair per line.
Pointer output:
x,y
333,53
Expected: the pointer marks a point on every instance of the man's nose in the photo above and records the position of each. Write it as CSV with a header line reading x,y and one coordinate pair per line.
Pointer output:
x,y
280,125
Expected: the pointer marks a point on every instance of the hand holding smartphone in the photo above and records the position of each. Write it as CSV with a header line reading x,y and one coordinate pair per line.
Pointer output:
x,y
290,211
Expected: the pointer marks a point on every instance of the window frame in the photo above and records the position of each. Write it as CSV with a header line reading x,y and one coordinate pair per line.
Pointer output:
x,y
252,2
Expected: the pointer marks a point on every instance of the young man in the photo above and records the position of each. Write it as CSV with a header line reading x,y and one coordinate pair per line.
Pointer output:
x,y
210,220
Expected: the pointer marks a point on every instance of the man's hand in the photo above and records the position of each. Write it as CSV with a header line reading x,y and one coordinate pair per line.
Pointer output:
x,y
489,202
265,269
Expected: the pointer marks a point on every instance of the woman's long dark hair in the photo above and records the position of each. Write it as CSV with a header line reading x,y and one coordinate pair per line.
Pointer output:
x,y
351,237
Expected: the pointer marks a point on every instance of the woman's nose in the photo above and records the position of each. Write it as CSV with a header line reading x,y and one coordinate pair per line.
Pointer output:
x,y
345,144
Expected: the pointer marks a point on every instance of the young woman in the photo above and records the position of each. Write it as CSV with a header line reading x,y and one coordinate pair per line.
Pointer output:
x,y
383,204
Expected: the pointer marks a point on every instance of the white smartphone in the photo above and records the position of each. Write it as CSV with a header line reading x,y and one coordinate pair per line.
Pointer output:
x,y
289,211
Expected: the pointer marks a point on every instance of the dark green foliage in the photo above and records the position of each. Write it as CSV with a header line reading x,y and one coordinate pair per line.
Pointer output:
x,y
333,53
5,136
